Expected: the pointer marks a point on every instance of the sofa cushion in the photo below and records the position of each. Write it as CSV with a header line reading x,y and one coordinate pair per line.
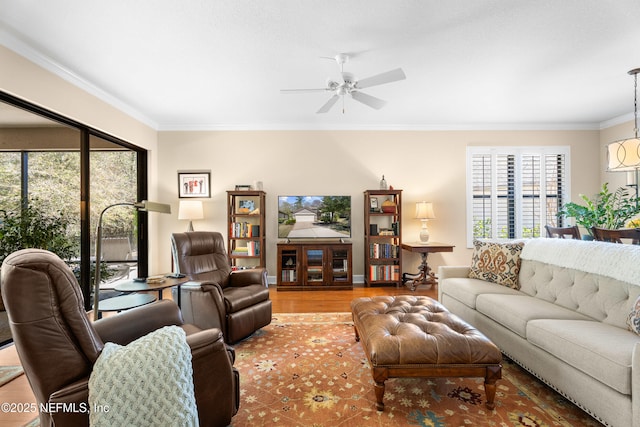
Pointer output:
x,y
634,317
601,351
514,311
496,262
599,297
467,290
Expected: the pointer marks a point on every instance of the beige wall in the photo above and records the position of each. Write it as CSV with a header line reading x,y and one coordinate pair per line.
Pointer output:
x,y
426,165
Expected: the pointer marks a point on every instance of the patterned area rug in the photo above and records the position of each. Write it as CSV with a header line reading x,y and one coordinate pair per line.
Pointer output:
x,y
8,373
308,370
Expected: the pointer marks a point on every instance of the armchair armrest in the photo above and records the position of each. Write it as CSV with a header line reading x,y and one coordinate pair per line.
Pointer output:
x,y
211,359
248,277
75,396
214,378
137,322
202,304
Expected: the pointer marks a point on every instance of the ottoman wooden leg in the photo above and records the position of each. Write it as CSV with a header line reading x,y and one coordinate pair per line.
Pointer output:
x,y
380,375
379,388
493,374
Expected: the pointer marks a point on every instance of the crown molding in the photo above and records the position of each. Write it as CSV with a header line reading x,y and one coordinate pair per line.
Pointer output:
x,y
383,127
616,121
12,42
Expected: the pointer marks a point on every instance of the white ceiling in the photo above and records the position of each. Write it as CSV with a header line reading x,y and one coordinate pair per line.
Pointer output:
x,y
219,64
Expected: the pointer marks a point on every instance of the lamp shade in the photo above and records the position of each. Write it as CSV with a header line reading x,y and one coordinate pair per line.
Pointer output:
x,y
424,210
148,206
624,155
190,209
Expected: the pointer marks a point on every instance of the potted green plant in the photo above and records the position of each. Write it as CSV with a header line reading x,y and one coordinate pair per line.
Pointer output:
x,y
33,227
605,209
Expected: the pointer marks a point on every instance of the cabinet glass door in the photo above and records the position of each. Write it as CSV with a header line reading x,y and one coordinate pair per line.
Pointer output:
x,y
340,265
315,265
289,264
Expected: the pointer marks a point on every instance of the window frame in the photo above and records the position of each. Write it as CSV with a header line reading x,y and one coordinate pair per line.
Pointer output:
x,y
518,152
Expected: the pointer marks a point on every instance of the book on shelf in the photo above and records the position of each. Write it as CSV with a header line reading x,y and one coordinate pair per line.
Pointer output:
x,y
387,273
340,266
288,275
244,230
387,232
383,250
252,249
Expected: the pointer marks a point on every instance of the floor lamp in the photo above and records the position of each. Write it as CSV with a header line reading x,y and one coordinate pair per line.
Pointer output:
x,y
144,206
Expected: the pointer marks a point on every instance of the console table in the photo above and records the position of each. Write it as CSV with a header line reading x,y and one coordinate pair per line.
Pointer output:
x,y
425,276
305,265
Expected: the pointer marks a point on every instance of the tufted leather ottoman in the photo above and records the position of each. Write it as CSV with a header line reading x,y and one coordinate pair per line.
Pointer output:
x,y
409,336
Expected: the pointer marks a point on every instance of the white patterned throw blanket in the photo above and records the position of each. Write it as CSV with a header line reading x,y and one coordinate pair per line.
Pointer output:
x,y
148,382
617,261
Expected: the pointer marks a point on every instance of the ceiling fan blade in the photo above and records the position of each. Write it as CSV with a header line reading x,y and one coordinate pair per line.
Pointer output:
x,y
380,79
369,100
327,106
290,91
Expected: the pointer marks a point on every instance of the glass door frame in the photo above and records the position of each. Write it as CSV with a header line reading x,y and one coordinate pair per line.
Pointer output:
x,y
86,231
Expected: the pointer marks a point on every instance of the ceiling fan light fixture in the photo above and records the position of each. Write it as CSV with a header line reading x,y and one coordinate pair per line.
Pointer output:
x,y
351,86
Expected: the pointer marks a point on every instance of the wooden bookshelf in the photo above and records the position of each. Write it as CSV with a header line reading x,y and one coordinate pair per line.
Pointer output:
x,y
246,228
382,238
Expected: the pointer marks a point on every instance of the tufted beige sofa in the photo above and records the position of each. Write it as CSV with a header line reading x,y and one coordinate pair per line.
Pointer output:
x,y
567,324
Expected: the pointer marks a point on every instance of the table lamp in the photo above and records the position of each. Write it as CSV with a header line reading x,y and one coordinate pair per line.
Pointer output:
x,y
424,212
190,209
145,206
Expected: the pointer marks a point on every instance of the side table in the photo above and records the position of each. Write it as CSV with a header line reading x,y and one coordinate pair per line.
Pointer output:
x,y
124,302
425,276
167,282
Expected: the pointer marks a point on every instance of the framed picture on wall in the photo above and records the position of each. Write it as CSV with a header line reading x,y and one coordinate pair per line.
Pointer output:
x,y
194,184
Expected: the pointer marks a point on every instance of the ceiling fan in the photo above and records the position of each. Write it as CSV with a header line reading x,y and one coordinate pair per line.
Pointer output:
x,y
350,86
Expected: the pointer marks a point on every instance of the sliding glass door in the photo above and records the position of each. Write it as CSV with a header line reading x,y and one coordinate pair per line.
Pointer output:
x,y
61,173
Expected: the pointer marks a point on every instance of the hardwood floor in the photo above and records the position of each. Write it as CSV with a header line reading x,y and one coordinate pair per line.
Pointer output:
x,y
19,391
334,301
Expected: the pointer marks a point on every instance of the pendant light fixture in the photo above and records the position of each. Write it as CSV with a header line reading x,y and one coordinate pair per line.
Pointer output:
x,y
624,155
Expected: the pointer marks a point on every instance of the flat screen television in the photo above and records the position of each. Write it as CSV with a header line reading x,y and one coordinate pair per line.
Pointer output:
x,y
314,217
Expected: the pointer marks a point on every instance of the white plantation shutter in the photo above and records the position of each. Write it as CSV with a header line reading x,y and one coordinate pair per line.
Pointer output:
x,y
512,192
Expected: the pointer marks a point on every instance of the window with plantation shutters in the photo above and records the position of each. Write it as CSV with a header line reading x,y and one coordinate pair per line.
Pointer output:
x,y
513,192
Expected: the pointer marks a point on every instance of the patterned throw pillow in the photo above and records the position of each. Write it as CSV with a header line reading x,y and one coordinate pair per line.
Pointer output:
x,y
496,262
634,317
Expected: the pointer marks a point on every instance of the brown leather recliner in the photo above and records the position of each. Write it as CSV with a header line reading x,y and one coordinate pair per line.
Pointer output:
x,y
58,345
235,301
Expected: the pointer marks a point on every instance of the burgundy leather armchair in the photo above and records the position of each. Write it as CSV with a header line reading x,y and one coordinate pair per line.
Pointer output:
x,y
235,301
58,345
